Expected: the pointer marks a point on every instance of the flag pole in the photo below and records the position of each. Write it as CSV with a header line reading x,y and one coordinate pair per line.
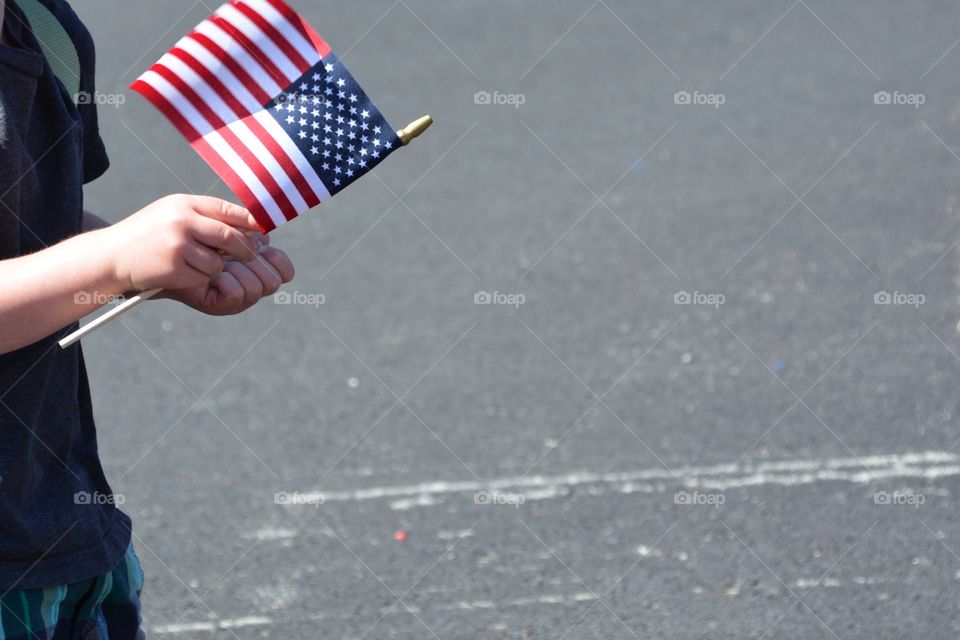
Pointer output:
x,y
408,133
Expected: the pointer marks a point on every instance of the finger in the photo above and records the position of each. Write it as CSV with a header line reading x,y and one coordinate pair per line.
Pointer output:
x,y
222,237
193,278
226,212
279,261
252,286
269,277
203,259
230,291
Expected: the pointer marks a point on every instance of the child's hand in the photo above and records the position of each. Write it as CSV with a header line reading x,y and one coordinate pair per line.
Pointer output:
x,y
241,284
180,242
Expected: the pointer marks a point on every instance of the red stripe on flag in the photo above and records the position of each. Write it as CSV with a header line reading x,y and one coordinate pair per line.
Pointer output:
x,y
258,55
278,39
289,167
225,94
302,26
246,154
245,78
167,109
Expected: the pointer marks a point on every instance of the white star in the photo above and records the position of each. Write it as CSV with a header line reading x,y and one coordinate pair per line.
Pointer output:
x,y
353,97
365,113
341,82
302,135
328,67
376,130
314,150
289,119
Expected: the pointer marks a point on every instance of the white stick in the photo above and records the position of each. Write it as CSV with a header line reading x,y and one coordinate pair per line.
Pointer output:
x,y
116,312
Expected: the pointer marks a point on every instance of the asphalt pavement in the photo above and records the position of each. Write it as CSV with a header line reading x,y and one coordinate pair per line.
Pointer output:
x,y
653,334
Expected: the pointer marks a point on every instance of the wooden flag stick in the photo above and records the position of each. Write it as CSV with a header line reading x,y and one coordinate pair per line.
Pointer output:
x,y
406,134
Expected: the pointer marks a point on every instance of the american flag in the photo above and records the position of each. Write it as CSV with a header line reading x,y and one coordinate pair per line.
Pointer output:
x,y
269,107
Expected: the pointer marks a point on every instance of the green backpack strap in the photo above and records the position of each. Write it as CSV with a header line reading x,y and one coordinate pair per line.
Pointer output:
x,y
57,46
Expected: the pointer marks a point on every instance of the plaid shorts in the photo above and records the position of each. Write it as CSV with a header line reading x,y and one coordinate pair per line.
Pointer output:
x,y
103,608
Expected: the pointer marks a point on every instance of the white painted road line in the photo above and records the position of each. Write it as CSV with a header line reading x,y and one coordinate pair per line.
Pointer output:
x,y
464,605
928,465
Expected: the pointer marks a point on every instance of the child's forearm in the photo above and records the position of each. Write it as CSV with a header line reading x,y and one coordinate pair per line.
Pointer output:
x,y
47,290
175,243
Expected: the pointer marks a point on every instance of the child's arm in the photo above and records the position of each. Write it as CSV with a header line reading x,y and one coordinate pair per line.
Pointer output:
x,y
177,243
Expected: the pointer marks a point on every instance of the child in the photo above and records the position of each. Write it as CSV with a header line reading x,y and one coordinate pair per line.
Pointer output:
x,y
67,568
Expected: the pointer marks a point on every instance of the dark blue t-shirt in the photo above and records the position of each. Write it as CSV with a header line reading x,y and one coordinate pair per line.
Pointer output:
x,y
58,521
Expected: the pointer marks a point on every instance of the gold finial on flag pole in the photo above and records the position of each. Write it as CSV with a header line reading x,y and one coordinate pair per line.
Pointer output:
x,y
414,129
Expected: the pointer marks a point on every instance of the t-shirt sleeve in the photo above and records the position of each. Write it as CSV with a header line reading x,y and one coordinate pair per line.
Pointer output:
x,y
95,160
11,164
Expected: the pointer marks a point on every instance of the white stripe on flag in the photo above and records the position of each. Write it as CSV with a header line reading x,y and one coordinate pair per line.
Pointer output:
x,y
293,151
236,51
303,46
262,41
270,163
213,64
216,141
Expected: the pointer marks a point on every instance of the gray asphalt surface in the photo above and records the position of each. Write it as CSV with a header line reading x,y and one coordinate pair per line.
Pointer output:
x,y
781,465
